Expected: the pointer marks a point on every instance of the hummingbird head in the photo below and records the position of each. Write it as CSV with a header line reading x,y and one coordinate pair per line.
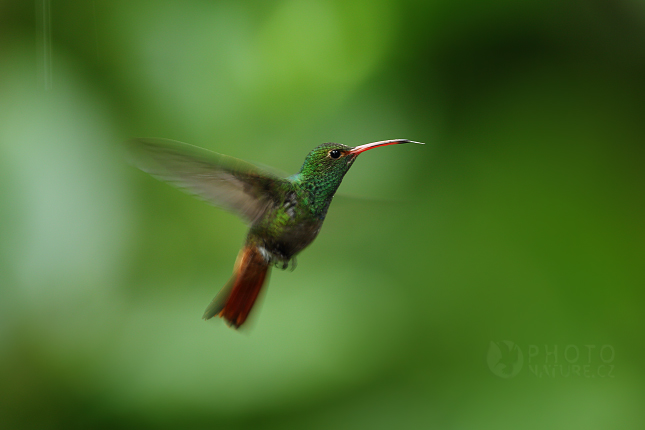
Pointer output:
x,y
332,160
328,161
325,167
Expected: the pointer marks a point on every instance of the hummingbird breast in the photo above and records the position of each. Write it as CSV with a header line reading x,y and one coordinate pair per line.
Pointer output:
x,y
286,228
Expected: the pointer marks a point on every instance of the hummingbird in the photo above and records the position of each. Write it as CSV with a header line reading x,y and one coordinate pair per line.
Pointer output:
x,y
284,214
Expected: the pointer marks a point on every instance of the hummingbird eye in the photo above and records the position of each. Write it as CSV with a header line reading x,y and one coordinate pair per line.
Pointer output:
x,y
334,153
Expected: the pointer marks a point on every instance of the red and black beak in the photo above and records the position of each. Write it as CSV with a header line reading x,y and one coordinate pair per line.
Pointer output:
x,y
362,148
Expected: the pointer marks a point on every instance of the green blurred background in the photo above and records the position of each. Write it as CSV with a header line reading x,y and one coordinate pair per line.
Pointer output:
x,y
521,220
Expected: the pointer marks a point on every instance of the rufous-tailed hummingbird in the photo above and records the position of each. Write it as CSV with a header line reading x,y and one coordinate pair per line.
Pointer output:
x,y
285,215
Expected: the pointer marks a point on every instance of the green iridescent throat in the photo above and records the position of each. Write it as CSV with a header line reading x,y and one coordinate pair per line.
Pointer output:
x,y
320,176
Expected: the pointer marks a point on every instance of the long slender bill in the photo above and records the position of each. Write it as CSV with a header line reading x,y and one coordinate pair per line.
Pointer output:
x,y
362,148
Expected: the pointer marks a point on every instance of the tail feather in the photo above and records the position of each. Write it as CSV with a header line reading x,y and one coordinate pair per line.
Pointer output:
x,y
235,300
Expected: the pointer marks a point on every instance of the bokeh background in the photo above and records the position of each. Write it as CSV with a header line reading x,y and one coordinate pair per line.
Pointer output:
x,y
521,220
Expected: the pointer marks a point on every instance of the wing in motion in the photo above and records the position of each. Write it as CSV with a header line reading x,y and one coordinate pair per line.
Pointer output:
x,y
223,181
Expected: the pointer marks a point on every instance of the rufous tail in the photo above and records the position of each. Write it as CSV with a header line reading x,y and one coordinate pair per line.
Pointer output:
x,y
235,300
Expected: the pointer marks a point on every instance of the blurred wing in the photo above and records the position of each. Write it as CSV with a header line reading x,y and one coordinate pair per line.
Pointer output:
x,y
223,181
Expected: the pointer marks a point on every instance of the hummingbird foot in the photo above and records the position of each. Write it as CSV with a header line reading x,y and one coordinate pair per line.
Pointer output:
x,y
278,260
286,264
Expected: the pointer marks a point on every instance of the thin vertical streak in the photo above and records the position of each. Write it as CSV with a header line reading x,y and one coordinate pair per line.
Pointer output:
x,y
96,30
44,43
47,44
